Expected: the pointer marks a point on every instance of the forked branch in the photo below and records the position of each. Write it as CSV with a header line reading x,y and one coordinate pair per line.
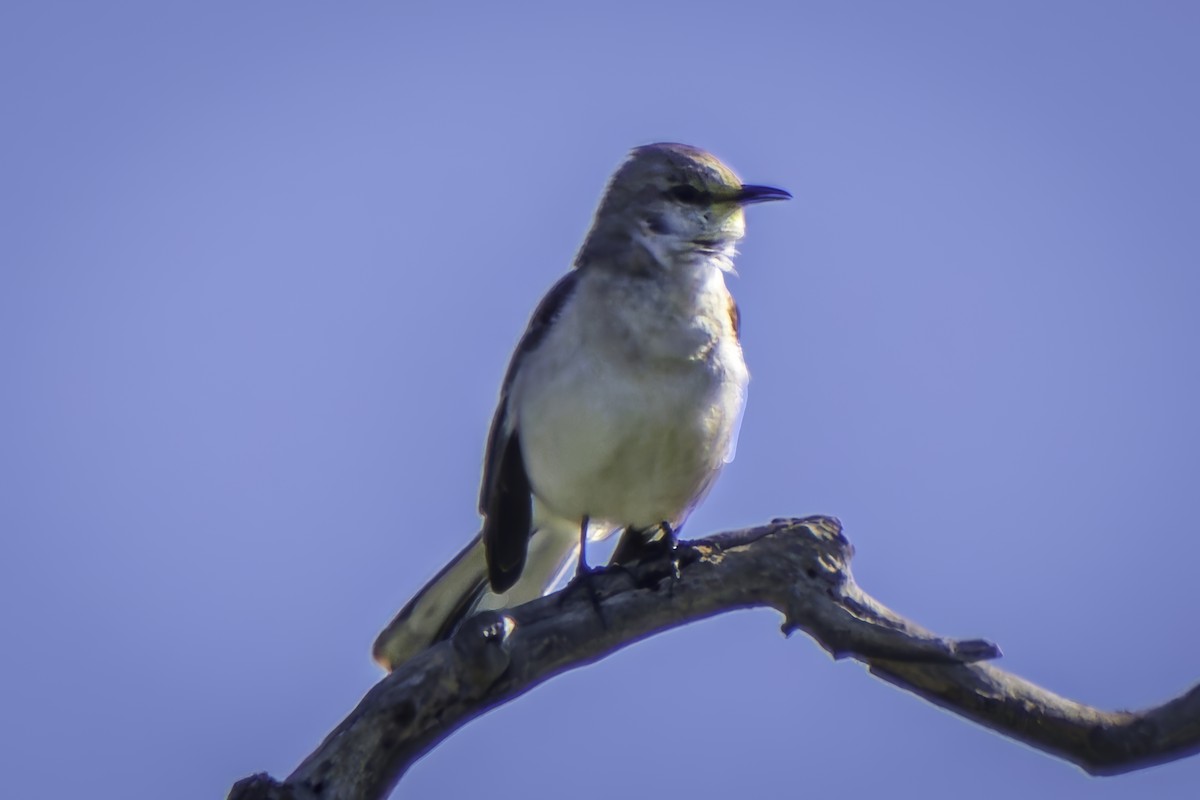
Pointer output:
x,y
798,566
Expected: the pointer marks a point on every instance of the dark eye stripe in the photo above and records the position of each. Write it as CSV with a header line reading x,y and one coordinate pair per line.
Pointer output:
x,y
690,195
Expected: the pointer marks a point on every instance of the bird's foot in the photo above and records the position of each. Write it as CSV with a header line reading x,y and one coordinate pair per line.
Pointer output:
x,y
643,546
585,579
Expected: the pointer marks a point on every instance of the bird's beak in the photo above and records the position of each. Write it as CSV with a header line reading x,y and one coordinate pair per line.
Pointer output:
x,y
750,194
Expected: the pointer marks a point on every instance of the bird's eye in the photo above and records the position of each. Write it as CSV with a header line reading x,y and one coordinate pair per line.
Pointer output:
x,y
688,194
655,224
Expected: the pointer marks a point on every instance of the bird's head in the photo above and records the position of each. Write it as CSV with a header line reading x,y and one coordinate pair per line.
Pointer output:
x,y
676,201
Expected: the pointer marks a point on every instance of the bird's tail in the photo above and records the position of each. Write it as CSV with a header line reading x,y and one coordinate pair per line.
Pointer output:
x,y
461,588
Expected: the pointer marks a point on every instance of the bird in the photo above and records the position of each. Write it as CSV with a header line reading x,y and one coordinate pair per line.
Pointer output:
x,y
622,401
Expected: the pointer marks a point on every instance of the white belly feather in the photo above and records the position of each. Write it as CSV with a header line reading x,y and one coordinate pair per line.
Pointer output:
x,y
625,435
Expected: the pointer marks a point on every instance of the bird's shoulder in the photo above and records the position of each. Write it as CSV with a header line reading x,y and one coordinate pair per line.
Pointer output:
x,y
547,311
544,315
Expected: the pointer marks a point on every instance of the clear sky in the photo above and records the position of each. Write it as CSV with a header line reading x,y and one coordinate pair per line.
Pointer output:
x,y
262,265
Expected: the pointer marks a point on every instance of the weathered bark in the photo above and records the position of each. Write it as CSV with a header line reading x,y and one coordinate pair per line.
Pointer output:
x,y
798,566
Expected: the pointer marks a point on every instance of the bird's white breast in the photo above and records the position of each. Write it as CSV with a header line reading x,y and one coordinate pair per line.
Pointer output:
x,y
626,412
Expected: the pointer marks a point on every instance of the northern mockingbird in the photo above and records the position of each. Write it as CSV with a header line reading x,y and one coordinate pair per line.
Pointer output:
x,y
622,401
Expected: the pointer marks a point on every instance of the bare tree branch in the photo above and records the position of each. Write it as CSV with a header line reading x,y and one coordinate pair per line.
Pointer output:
x,y
798,566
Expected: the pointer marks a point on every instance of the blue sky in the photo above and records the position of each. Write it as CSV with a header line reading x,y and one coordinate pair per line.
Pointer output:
x,y
262,265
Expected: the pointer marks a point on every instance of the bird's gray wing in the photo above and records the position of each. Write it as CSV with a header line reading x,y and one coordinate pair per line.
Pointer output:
x,y
505,497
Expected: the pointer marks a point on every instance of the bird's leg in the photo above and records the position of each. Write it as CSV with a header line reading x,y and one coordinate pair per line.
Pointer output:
x,y
581,567
584,575
670,540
